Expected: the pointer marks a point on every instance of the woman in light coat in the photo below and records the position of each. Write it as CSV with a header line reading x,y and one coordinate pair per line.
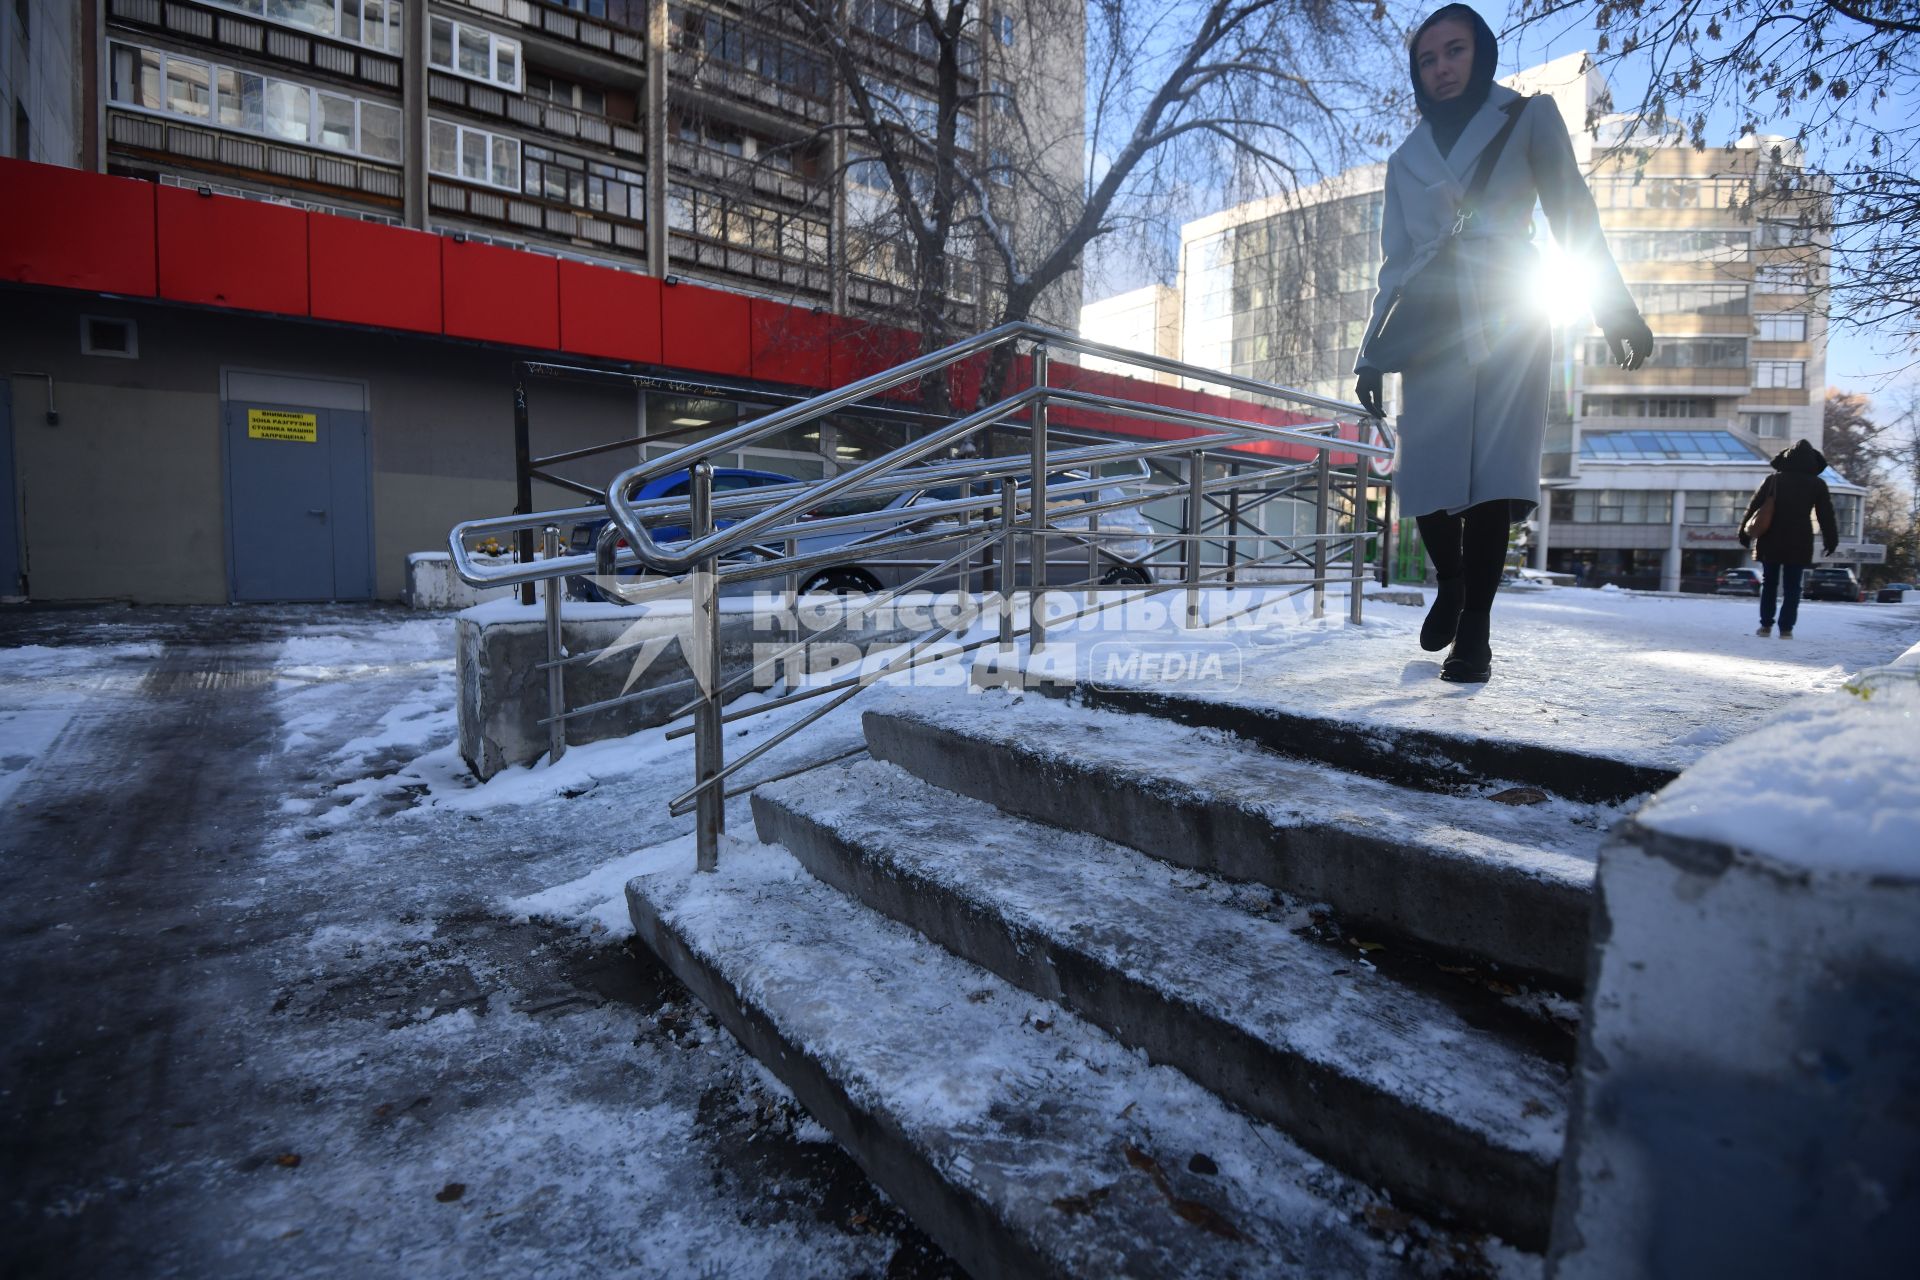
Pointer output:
x,y
1475,402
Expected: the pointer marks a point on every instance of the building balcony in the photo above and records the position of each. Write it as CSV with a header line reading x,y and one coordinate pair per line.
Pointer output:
x,y
262,42
740,173
177,143
772,272
533,216
618,136
623,41
692,73
1608,380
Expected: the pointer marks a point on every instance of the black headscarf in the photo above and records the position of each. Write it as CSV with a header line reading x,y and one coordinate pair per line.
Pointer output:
x,y
1802,458
1449,118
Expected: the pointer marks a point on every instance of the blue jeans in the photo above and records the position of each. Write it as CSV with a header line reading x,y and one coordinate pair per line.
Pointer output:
x,y
1770,575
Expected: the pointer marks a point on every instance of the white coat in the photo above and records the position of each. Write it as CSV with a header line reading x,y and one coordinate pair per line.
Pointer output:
x,y
1473,416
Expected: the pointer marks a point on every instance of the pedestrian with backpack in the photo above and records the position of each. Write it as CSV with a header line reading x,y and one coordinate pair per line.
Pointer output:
x,y
1779,527
1458,316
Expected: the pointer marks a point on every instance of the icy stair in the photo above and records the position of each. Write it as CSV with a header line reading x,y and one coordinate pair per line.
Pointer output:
x,y
1028,964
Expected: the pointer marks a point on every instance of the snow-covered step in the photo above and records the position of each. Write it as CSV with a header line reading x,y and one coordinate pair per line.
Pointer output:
x,y
1410,755
1459,874
1022,1140
1391,1084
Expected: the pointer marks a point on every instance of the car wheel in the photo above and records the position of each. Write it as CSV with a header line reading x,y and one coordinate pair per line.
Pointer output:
x,y
841,581
1125,574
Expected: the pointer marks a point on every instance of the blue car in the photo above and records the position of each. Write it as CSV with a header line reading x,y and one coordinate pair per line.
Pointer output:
x,y
672,485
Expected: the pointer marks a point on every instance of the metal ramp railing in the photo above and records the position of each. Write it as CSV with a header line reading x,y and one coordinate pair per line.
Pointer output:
x,y
1007,515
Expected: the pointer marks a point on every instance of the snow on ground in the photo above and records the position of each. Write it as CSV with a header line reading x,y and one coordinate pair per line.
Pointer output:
x,y
433,993
1830,783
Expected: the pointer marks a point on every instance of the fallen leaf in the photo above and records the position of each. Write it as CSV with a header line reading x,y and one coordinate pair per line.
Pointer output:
x,y
1519,795
1370,947
1082,1204
451,1192
287,1161
1534,1107
1205,1217
1386,1219
981,996
1141,1160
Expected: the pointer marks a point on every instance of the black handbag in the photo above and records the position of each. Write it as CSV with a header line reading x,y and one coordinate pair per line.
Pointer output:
x,y
1428,304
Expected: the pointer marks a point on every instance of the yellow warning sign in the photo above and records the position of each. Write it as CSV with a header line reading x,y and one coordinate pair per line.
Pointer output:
x,y
277,424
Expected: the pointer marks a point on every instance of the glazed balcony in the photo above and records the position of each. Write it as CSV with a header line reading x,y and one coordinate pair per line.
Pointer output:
x,y
265,43
172,142
561,122
625,40
535,216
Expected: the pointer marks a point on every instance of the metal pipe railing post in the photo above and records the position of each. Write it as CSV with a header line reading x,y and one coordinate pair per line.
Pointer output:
x,y
710,817
1196,508
555,589
1357,555
1324,478
1009,493
1093,548
522,475
1037,517
1233,523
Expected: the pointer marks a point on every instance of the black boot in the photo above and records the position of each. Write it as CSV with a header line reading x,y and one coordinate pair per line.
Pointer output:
x,y
1471,661
1436,633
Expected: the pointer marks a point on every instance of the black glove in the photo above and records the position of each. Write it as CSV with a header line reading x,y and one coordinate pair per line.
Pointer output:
x,y
1746,539
1629,339
1366,389
1831,548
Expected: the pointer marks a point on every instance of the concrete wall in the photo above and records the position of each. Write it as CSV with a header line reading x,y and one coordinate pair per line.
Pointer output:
x,y
126,499
40,73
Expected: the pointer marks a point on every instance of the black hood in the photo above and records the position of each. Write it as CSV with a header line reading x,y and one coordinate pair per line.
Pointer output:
x,y
1450,117
1803,458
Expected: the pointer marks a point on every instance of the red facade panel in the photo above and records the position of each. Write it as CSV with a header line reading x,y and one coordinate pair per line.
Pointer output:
x,y
227,252
789,343
74,230
604,312
499,295
366,273
861,349
706,329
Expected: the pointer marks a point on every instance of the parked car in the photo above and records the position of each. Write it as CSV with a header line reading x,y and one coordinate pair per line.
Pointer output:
x,y
1831,584
1739,582
672,485
1067,558
1894,592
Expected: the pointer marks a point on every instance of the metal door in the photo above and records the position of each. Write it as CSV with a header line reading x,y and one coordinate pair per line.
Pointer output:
x,y
297,502
10,515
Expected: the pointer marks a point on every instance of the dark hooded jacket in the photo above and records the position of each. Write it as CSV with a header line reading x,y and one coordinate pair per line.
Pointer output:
x,y
1448,119
1799,495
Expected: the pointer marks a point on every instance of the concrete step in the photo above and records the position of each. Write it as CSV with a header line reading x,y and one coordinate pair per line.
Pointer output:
x,y
1024,1141
1388,1083
1411,756
1460,875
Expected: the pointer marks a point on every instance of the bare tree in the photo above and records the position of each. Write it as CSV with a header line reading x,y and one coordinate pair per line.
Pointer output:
x,y
1837,76
978,173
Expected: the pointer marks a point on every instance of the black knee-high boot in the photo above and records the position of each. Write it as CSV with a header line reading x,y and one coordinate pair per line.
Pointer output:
x,y
1440,534
1483,558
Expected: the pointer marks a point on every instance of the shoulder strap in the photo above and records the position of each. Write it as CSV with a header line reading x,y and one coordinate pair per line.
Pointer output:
x,y
1491,156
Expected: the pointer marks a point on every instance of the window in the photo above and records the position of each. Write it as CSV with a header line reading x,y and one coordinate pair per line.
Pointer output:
x,y
474,155
473,52
1680,353
726,41
716,217
1002,103
103,337
1613,506
1646,407
1782,276
1846,514
585,184
1789,375
1719,506
1782,326
1775,234
1691,299
373,23
247,102
1664,446
1768,426
1678,246
1003,27
551,88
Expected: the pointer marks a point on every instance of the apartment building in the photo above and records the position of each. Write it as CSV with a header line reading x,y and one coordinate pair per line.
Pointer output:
x,y
1645,474
364,212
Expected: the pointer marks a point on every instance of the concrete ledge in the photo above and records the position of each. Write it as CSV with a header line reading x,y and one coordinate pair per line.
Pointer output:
x,y
432,584
1458,876
1751,1048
